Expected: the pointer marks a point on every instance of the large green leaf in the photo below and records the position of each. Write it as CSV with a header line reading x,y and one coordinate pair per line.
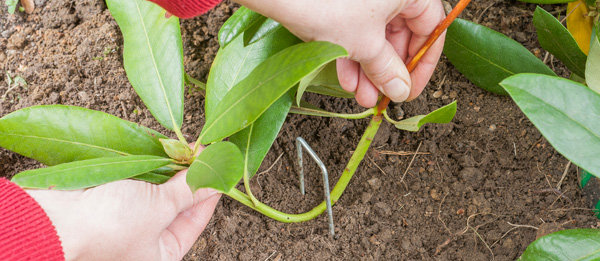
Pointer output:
x,y
556,39
239,22
88,173
326,83
566,113
152,57
487,57
232,65
442,115
255,140
574,244
220,166
234,62
592,69
54,134
260,30
270,80
305,82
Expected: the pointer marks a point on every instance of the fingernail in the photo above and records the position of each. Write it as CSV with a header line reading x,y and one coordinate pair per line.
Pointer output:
x,y
396,90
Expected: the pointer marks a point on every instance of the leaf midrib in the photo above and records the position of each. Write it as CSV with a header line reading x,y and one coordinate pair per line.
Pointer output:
x,y
69,142
160,81
90,166
480,57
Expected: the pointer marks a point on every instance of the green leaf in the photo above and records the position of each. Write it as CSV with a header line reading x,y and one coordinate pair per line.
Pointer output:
x,y
256,140
487,57
232,65
220,166
54,134
88,173
260,30
556,39
305,82
442,115
565,112
152,178
11,5
326,83
239,22
592,77
235,62
176,149
270,80
574,244
545,2
152,57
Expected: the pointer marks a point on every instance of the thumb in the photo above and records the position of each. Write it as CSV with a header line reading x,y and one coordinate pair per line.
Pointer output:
x,y
388,73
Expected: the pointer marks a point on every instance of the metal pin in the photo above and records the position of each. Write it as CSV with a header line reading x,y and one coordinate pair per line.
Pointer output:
x,y
300,142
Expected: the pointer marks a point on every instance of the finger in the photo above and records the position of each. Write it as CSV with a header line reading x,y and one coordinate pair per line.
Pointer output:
x,y
388,73
422,17
399,36
366,94
347,71
181,235
178,194
425,68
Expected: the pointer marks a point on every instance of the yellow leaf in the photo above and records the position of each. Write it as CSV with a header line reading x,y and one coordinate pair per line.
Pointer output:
x,y
579,24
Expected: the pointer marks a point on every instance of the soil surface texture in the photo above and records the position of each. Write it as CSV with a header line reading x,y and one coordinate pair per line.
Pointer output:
x,y
482,187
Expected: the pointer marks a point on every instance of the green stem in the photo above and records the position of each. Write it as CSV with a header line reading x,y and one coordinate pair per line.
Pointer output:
x,y
336,193
255,201
177,131
194,81
389,119
323,113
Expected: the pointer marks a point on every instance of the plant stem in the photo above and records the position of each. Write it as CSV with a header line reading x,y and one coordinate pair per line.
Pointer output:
x,y
194,81
177,131
336,193
255,201
389,119
323,113
462,4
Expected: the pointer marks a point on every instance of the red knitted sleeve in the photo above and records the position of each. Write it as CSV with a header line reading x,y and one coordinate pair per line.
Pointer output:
x,y
26,233
187,8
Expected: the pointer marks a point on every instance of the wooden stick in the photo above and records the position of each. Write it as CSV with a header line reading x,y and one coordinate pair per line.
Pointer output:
x,y
432,38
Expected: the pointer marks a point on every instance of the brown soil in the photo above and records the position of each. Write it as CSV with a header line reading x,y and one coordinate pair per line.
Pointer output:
x,y
486,171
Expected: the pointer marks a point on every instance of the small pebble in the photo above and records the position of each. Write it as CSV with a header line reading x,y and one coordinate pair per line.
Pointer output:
x,y
493,127
453,94
83,96
435,195
375,183
437,94
477,108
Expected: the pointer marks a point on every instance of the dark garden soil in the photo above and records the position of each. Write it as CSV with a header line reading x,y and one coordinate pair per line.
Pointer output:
x,y
486,187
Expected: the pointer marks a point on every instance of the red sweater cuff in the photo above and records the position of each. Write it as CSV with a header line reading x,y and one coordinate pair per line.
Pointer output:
x,y
187,8
26,232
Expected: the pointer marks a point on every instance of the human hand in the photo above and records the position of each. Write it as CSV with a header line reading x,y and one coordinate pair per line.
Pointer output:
x,y
129,220
379,36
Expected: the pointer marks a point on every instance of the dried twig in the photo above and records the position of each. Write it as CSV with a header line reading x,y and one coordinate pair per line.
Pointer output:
x,y
411,162
380,169
399,153
563,176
